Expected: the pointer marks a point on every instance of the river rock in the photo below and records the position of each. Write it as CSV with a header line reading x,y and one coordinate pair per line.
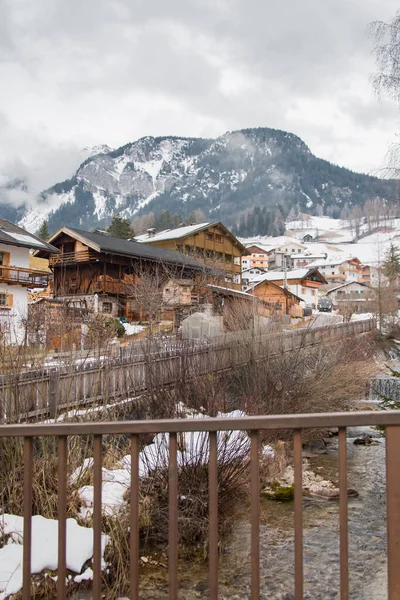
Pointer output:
x,y
366,440
313,485
316,447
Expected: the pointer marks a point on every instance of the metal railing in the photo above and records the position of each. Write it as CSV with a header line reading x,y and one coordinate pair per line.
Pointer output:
x,y
21,276
253,425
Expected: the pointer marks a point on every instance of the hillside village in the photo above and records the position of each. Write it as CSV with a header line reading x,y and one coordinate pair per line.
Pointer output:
x,y
155,282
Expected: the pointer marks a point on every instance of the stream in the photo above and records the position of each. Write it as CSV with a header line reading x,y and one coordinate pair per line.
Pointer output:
x,y
367,539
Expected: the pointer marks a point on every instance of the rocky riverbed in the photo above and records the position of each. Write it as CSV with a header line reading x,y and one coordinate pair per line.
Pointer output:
x,y
367,539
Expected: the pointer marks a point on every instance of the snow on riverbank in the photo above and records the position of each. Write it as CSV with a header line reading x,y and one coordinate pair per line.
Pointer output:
x,y
193,449
44,549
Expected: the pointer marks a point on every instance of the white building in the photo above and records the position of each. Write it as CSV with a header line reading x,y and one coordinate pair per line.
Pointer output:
x,y
249,275
298,261
341,270
17,278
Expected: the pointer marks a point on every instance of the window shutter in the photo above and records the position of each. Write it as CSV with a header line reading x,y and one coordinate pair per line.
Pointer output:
x,y
6,258
10,299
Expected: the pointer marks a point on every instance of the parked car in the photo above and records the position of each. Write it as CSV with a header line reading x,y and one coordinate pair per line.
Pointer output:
x,y
325,305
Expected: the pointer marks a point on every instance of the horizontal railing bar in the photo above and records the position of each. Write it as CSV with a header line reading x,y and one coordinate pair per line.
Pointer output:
x,y
304,421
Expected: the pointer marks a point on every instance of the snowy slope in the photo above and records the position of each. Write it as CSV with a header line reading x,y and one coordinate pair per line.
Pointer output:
x,y
370,249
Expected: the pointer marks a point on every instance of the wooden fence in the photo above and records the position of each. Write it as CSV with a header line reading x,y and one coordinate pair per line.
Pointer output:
x,y
133,371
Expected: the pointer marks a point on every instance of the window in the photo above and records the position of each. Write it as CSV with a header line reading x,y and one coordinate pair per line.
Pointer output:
x,y
303,290
299,250
209,236
218,238
1,258
107,308
228,258
3,299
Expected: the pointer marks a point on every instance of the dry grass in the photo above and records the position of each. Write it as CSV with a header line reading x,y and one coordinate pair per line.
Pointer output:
x,y
321,379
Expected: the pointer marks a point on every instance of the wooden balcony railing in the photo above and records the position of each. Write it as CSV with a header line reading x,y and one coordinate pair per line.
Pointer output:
x,y
31,278
72,257
254,426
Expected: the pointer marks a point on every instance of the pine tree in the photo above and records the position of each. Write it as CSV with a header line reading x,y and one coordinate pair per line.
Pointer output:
x,y
391,264
43,232
121,228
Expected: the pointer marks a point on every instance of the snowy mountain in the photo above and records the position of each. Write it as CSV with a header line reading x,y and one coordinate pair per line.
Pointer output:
x,y
224,177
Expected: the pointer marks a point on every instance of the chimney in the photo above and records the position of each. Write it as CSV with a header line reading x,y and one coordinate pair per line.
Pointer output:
x,y
151,232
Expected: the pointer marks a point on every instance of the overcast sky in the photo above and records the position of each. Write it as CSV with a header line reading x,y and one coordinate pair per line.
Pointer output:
x,y
75,73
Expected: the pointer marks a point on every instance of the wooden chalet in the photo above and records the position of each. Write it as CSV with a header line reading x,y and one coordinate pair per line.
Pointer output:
x,y
211,243
98,272
279,300
303,283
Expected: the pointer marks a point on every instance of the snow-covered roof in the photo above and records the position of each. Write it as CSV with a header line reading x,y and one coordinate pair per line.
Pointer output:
x,y
342,285
172,234
13,235
321,255
338,260
269,243
227,291
280,275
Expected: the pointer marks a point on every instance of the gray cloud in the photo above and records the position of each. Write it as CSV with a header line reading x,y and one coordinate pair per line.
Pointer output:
x,y
86,72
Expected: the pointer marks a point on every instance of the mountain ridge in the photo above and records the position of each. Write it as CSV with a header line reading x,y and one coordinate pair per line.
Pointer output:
x,y
224,177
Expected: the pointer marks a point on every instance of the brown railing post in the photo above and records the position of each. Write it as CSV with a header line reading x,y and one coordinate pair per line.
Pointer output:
x,y
213,518
298,514
393,509
134,526
173,519
27,535
97,510
344,546
62,516
255,516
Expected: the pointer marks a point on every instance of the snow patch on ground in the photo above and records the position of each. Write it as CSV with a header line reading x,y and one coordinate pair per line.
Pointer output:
x,y
44,549
132,329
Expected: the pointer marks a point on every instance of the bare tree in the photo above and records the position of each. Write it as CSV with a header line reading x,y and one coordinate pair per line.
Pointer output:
x,y
387,52
356,219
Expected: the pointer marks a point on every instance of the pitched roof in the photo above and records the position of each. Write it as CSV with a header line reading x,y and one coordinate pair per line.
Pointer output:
x,y
107,244
287,292
222,291
338,260
290,275
172,234
184,231
342,285
270,243
13,235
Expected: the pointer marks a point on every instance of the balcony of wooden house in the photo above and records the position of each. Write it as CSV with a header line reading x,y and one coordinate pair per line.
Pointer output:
x,y
31,278
70,258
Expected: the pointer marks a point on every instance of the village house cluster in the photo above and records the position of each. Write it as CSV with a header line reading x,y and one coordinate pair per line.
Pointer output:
x,y
166,277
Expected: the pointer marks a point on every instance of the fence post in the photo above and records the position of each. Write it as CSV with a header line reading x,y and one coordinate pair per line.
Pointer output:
x,y
393,509
52,394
